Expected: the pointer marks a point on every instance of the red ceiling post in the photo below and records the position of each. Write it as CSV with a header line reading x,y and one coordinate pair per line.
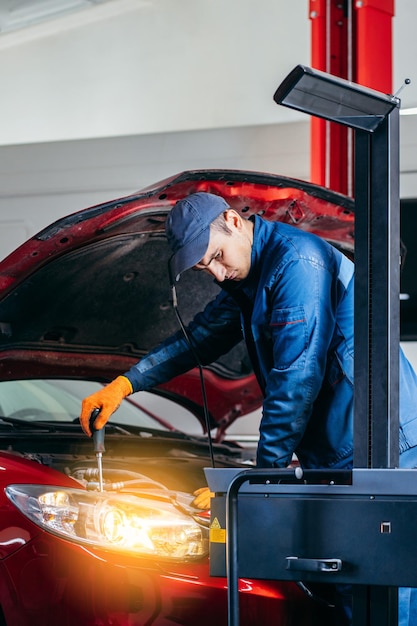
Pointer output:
x,y
318,141
329,53
351,39
374,43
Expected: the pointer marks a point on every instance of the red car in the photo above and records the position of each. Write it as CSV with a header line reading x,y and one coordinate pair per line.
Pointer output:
x,y
80,303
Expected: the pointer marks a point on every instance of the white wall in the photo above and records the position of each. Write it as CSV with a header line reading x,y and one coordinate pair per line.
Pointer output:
x,y
110,99
40,183
130,67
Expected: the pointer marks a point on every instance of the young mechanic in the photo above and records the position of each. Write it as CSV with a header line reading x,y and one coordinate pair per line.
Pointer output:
x,y
289,294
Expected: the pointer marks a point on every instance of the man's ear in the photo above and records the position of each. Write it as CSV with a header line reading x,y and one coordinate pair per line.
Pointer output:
x,y
233,219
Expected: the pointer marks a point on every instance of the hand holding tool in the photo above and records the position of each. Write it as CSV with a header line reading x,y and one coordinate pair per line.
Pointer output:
x,y
107,400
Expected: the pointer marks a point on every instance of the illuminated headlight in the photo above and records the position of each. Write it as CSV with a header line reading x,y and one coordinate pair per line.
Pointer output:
x,y
140,526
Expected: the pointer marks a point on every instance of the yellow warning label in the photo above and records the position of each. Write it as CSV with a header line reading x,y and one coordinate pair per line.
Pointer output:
x,y
217,533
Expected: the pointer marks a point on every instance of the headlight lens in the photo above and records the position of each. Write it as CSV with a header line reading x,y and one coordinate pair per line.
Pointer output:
x,y
137,525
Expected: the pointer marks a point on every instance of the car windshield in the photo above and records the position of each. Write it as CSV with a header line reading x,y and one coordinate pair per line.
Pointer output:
x,y
60,401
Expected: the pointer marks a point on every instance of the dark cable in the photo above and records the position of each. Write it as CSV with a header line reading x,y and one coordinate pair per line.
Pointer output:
x,y
313,596
200,368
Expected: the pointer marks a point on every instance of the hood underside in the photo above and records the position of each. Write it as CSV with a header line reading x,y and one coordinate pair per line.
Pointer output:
x,y
90,294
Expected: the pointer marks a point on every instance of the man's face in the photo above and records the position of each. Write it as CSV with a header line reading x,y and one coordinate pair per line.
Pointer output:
x,y
228,256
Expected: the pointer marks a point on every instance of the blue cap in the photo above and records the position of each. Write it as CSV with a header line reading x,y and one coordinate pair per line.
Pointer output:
x,y
188,229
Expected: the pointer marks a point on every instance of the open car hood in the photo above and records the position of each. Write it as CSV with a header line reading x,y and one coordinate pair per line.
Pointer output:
x,y
89,295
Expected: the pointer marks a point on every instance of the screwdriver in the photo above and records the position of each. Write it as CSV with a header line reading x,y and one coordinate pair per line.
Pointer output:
x,y
98,440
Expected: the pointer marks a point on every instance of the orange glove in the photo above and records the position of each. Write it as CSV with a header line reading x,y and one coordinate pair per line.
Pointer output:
x,y
107,400
203,498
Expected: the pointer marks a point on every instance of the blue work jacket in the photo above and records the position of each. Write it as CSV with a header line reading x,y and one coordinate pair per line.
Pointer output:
x,y
295,312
